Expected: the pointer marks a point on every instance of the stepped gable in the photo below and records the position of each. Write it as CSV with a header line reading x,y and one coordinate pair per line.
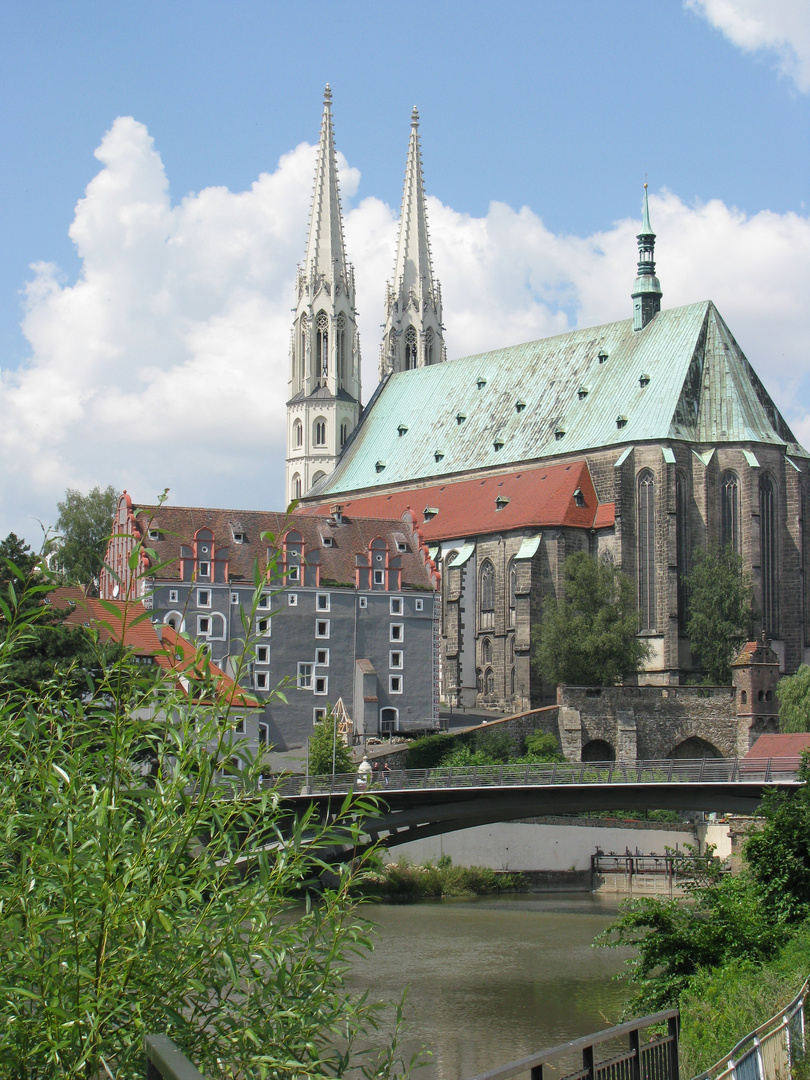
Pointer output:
x,y
166,528
540,497
681,377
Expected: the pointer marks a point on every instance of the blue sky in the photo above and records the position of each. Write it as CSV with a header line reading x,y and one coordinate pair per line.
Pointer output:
x,y
540,122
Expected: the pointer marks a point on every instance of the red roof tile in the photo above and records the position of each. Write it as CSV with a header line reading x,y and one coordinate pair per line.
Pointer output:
x,y
782,746
533,497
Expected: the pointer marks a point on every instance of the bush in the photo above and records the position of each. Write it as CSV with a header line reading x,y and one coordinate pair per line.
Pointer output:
x,y
407,881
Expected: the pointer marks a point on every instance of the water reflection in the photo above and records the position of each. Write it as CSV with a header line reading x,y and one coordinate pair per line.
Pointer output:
x,y
493,979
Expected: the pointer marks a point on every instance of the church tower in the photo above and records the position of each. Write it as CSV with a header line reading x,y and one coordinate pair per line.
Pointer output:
x,y
646,292
324,384
413,335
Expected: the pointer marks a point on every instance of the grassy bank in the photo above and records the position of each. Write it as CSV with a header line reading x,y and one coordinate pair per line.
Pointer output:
x,y
404,880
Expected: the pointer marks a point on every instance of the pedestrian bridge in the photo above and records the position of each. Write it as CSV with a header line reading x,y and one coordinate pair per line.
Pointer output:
x,y
418,803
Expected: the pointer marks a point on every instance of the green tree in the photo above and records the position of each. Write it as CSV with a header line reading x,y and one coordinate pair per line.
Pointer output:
x,y
542,748
323,743
178,905
720,610
589,637
17,552
793,692
84,526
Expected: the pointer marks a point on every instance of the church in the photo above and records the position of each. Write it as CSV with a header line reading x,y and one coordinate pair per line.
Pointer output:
x,y
640,441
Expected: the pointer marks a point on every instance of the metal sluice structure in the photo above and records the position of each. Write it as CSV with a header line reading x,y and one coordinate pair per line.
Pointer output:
x,y
768,1053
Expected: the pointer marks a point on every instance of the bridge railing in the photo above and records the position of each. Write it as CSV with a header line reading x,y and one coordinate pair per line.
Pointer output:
x,y
560,774
770,1052
601,1057
164,1061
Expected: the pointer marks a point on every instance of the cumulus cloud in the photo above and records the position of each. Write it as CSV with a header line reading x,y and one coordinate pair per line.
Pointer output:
x,y
781,26
165,363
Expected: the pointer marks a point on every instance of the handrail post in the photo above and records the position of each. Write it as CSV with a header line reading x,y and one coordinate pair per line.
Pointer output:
x,y
672,1031
635,1050
587,1061
768,770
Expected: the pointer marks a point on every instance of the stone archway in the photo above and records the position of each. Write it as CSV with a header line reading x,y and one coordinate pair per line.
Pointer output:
x,y
694,748
598,750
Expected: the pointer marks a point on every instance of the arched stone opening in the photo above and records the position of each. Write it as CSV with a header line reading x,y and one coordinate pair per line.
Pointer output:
x,y
694,748
598,750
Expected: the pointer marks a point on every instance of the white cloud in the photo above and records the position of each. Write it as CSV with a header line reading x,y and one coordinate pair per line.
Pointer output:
x,y
165,363
781,26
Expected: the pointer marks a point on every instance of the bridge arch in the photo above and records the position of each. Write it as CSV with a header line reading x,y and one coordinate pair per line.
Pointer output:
x,y
694,747
598,750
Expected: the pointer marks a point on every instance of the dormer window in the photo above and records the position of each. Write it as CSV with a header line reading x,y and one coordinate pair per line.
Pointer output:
x,y
621,421
501,502
643,380
602,356
328,541
579,498
498,443
401,430
559,433
238,537
481,382
430,512
438,455
380,465
460,418
582,393
520,405
154,534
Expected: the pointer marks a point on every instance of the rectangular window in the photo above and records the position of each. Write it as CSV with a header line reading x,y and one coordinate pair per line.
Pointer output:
x,y
203,598
401,545
363,601
239,725
293,573
322,628
263,626
419,605
292,599
322,601
154,534
396,605
304,681
174,596
261,678
395,659
264,736
234,597
204,569
239,538
262,654
379,577
322,657
204,625
264,602
394,684
318,714
397,632
321,684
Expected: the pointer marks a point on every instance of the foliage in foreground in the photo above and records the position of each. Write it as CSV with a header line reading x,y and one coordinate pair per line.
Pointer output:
x,y
589,636
720,610
164,902
408,881
793,692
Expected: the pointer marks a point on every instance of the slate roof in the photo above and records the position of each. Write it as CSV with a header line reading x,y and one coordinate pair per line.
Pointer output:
x,y
683,377
177,525
540,496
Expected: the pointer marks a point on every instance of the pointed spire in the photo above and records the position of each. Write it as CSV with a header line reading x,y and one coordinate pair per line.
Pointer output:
x,y
413,271
646,292
326,253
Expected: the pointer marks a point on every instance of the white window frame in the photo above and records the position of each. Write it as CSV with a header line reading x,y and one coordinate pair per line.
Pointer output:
x,y
239,725
239,538
204,569
364,601
320,685
174,596
262,654
396,632
217,618
267,628
322,628
234,597
419,604
200,620
292,599
304,675
319,654
392,655
265,600
154,534
263,737
294,573
396,605
204,598
318,714
261,680
378,577
323,601
395,684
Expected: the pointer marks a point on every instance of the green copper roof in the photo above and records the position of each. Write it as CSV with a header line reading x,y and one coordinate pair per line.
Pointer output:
x,y
682,377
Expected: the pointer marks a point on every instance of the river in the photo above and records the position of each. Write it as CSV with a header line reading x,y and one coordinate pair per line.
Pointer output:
x,y
491,979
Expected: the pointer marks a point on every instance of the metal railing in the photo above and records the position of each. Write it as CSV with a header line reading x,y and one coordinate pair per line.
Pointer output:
x,y
560,774
769,1052
601,1059
164,1061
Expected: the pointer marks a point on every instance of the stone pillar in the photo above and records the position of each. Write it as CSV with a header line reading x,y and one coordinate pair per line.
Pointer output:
x,y
570,722
626,735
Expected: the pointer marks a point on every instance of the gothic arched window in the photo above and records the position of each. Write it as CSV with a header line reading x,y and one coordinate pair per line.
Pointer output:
x,y
320,433
486,595
511,577
512,682
428,346
730,511
486,651
344,433
682,538
302,355
322,344
646,550
410,348
489,683
768,555
341,348
296,486
298,434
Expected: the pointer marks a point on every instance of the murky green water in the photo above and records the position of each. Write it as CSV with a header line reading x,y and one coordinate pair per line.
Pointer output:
x,y
493,979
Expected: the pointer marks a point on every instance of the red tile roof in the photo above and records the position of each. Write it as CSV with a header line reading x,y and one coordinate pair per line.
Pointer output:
x,y
534,497
780,746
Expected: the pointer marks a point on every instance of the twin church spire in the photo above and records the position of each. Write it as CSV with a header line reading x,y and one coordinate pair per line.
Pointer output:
x,y
323,406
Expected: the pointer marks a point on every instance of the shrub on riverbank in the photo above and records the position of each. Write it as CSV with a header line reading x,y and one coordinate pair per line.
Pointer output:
x,y
408,881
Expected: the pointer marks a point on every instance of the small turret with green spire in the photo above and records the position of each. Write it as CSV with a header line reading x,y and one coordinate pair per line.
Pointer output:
x,y
647,289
